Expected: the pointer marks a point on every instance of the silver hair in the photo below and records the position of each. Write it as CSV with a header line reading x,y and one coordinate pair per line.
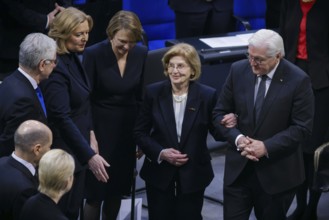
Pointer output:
x,y
269,39
34,48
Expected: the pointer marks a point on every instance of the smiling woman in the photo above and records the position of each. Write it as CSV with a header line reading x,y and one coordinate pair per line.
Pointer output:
x,y
115,67
172,129
67,95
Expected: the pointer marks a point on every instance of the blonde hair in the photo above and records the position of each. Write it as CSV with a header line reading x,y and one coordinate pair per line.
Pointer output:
x,y
126,20
190,56
56,167
65,24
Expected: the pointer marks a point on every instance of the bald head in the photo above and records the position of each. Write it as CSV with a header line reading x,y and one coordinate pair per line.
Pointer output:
x,y
32,133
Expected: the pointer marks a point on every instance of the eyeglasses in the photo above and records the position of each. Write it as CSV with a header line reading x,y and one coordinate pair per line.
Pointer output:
x,y
257,60
179,67
49,61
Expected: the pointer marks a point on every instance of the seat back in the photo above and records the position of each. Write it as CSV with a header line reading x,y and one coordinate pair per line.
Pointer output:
x,y
153,70
321,168
157,18
249,12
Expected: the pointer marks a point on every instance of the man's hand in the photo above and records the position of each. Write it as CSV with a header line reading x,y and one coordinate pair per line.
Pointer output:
x,y
174,157
53,13
254,150
97,165
242,142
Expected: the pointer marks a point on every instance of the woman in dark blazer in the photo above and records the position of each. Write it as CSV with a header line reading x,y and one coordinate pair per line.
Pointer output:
x,y
172,129
66,94
115,67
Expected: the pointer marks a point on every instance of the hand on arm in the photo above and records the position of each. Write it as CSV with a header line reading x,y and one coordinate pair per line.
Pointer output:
x,y
173,157
97,165
229,120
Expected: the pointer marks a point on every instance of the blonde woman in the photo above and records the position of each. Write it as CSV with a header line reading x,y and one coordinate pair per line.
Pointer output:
x,y
56,169
67,94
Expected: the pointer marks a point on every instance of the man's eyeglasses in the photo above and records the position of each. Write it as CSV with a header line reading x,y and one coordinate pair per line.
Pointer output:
x,y
49,61
257,60
179,67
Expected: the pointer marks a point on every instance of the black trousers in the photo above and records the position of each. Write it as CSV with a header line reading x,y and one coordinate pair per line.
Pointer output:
x,y
172,204
246,193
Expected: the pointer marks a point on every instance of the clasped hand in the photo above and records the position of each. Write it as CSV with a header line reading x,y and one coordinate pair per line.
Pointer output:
x,y
251,149
174,157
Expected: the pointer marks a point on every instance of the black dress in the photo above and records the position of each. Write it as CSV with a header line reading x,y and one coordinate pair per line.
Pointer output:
x,y
115,101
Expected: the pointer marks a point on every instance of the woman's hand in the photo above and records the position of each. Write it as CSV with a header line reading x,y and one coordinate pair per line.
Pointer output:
x,y
229,120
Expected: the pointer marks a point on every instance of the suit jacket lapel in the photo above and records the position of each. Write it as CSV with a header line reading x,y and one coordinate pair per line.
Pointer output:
x,y
191,111
29,86
272,92
167,112
24,170
249,83
79,74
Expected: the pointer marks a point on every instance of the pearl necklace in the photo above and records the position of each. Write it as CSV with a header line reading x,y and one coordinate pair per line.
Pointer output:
x,y
179,98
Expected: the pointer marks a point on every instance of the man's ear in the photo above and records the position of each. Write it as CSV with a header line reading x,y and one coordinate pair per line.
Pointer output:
x,y
36,149
41,65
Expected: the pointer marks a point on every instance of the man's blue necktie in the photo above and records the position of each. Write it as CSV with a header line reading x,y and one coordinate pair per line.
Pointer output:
x,y
260,97
40,97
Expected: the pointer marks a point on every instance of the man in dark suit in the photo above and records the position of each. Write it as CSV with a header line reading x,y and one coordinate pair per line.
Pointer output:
x,y
202,17
264,164
17,172
18,98
19,18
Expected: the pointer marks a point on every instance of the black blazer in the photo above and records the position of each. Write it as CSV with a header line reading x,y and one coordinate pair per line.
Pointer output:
x,y
19,102
41,207
156,130
67,93
195,6
16,185
317,37
284,121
